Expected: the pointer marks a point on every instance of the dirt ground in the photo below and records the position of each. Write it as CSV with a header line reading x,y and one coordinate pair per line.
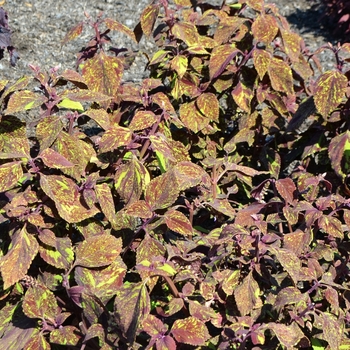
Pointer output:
x,y
39,26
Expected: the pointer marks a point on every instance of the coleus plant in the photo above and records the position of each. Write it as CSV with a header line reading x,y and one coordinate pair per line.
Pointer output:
x,y
196,209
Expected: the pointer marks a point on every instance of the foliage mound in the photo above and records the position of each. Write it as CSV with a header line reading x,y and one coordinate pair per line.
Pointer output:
x,y
205,208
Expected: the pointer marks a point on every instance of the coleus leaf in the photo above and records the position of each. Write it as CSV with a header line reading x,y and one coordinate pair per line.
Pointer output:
x,y
281,76
247,295
116,136
73,33
76,151
37,341
99,250
220,59
24,100
13,136
132,305
265,28
130,180
338,150
115,25
261,60
289,336
178,222
61,255
40,302
142,120
148,18
192,117
64,192
331,225
139,209
190,331
208,105
162,191
105,199
47,130
103,74
65,335
186,32
287,189
53,159
148,248
157,266
242,95
329,91
102,282
154,326
179,63
15,264
333,330
100,116
10,174
290,262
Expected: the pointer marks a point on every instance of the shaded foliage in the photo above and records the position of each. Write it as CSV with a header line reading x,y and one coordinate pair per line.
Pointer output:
x,y
210,211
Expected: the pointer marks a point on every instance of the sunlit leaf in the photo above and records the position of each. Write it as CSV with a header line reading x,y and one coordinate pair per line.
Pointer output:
x,y
10,174
148,18
105,199
24,100
40,302
115,25
116,136
265,28
15,264
73,33
338,150
64,192
329,91
247,295
331,225
142,120
55,160
178,222
190,331
99,250
103,74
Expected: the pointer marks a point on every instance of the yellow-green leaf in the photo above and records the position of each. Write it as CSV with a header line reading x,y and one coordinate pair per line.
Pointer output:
x,y
329,92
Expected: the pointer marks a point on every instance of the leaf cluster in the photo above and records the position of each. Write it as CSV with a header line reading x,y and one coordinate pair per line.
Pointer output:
x,y
206,207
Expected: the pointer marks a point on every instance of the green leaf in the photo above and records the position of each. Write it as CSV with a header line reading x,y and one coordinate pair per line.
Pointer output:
x,y
190,331
132,305
69,104
64,192
10,174
15,264
40,302
329,91
99,250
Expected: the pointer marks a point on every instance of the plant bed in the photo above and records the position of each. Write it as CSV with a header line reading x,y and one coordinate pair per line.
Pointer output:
x,y
203,207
